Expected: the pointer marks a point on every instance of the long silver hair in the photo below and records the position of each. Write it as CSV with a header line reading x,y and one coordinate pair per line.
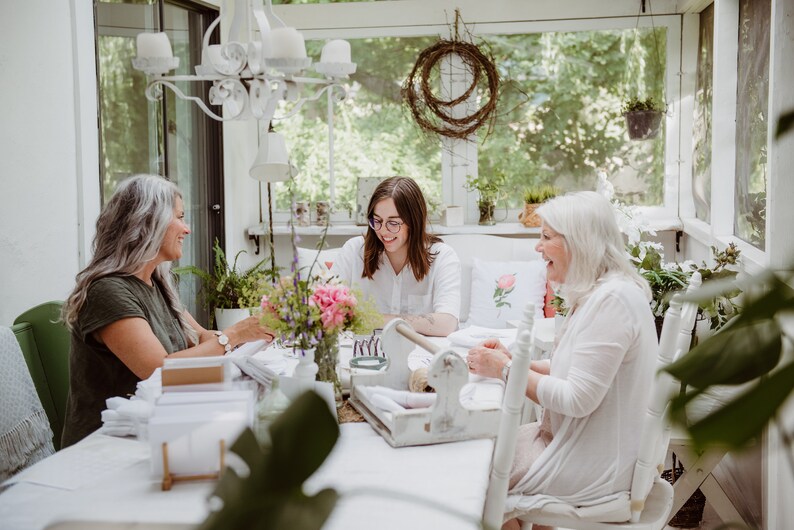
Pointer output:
x,y
586,220
129,232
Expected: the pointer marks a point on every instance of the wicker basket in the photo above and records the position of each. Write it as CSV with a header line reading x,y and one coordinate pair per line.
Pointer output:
x,y
691,513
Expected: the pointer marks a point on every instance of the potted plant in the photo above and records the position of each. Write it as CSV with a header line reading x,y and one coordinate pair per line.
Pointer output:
x,y
488,193
643,117
225,291
534,196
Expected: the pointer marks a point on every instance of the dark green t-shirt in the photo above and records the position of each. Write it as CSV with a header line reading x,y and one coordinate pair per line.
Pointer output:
x,y
95,373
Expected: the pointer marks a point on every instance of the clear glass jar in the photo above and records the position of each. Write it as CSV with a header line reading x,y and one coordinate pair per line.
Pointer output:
x,y
269,407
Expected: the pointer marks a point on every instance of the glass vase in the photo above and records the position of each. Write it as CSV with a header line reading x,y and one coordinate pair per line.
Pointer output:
x,y
326,355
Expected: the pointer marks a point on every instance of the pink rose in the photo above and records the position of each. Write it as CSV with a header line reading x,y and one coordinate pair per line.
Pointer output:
x,y
506,281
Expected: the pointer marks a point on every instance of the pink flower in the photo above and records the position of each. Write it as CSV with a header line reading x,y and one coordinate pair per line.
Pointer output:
x,y
506,281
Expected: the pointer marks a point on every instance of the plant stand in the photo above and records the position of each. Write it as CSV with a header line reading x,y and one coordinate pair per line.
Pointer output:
x,y
643,124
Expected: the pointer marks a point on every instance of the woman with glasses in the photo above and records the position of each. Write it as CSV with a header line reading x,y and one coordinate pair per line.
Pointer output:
x,y
409,273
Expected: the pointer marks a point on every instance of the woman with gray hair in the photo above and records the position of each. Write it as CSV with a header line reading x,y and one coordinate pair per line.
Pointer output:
x,y
594,389
124,314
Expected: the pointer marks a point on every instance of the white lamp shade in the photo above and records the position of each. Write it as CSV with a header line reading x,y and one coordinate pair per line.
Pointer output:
x,y
272,162
336,51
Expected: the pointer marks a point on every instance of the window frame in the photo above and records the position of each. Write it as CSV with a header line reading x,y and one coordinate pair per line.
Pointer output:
x,y
351,21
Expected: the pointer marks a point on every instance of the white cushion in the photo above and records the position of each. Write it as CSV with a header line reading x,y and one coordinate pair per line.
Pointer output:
x,y
501,289
324,262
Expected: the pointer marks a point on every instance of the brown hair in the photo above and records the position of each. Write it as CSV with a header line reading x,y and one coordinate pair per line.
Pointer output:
x,y
411,206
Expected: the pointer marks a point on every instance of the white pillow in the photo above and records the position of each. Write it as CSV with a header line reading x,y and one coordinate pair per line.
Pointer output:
x,y
501,289
324,262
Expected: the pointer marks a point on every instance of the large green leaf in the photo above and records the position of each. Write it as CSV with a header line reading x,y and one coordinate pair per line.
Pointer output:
x,y
735,355
745,417
270,495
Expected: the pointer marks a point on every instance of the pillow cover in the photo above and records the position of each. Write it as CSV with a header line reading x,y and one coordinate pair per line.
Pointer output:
x,y
501,289
324,262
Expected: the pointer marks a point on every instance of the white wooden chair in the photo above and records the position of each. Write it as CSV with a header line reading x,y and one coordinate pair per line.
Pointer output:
x,y
651,497
512,405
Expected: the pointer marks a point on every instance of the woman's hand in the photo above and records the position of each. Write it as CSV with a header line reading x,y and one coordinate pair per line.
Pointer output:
x,y
487,361
494,344
248,330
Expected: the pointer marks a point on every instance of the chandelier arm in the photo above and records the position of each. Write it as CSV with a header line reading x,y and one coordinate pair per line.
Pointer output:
x,y
295,109
154,93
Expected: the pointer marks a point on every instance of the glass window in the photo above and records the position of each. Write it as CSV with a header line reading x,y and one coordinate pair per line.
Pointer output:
x,y
374,135
752,121
560,118
701,126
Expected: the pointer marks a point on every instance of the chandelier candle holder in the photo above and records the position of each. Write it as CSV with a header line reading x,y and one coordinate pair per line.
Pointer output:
x,y
249,78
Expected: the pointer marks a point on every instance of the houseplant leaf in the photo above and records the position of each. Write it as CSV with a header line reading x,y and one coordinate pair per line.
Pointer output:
x,y
745,417
270,496
735,355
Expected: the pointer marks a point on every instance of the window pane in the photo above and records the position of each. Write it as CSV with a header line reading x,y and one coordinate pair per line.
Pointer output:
x,y
130,126
751,121
374,136
701,127
560,111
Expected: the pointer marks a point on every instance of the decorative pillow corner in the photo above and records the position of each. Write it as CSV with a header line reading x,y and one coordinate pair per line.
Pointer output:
x,y
324,261
501,289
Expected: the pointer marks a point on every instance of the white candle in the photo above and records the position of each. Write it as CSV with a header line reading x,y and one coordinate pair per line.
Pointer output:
x,y
336,51
153,45
286,43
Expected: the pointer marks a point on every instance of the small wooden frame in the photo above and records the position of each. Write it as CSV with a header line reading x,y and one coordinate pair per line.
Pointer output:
x,y
447,420
169,478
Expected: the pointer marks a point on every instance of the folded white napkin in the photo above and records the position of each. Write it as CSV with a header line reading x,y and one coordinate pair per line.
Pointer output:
x,y
473,335
486,394
124,417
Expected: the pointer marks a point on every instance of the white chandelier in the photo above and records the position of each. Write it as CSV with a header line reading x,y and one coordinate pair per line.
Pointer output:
x,y
249,76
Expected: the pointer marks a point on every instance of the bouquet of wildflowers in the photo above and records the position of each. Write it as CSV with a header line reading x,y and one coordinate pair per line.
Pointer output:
x,y
310,314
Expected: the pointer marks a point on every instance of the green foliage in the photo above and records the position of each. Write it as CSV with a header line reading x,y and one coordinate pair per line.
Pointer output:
x,y
539,194
635,104
665,279
488,188
748,349
226,287
270,495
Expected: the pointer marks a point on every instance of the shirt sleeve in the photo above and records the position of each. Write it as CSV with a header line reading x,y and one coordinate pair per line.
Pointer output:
x,y
446,281
597,354
344,264
107,301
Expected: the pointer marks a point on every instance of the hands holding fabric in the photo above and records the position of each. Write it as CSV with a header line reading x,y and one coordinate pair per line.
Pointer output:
x,y
488,358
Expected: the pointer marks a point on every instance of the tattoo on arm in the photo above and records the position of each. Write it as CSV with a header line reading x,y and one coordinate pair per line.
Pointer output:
x,y
429,318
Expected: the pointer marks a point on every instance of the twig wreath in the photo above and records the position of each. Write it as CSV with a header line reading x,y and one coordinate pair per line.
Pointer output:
x,y
433,114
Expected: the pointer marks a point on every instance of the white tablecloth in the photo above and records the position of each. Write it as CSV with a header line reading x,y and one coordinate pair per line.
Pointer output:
x,y
107,479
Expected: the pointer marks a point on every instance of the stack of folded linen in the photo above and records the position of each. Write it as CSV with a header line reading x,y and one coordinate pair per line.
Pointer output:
x,y
126,417
484,394
261,371
474,335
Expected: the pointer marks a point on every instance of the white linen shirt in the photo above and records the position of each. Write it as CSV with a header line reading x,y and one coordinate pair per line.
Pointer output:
x,y
596,396
395,294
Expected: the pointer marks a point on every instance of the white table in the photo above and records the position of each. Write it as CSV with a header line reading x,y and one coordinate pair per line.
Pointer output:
x,y
110,483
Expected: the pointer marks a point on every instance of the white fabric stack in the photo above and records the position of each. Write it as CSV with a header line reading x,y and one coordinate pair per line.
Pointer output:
x,y
473,335
126,417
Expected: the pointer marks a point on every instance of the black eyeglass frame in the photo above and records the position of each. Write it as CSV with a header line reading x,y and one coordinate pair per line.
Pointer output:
x,y
376,225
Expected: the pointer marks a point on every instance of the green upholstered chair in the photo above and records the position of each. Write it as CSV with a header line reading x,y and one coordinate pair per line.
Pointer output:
x,y
45,343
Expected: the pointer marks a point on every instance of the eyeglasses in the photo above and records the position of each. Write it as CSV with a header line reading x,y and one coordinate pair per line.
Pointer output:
x,y
391,226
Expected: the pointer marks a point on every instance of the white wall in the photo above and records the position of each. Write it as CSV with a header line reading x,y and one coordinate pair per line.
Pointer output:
x,y
42,237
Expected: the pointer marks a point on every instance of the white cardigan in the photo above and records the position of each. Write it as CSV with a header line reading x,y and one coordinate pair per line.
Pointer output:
x,y
596,395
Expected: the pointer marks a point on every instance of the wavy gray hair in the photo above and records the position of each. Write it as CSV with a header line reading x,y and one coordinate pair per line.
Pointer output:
x,y
129,232
586,220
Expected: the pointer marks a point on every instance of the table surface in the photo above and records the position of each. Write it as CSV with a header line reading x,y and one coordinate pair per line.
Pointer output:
x,y
108,480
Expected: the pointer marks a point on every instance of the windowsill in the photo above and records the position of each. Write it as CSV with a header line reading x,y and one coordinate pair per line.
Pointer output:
x,y
506,229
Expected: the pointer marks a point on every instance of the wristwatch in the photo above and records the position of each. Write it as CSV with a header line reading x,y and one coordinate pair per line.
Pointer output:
x,y
506,370
223,340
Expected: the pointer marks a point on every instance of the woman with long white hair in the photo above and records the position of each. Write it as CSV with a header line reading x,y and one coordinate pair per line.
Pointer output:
x,y
124,314
594,389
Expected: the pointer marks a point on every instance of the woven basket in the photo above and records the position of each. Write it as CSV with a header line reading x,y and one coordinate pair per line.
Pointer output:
x,y
691,513
528,217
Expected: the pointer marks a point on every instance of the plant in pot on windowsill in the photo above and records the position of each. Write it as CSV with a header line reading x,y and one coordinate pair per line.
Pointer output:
x,y
224,288
533,197
643,117
488,191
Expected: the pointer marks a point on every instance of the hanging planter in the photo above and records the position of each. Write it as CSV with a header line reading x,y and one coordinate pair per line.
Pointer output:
x,y
643,118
